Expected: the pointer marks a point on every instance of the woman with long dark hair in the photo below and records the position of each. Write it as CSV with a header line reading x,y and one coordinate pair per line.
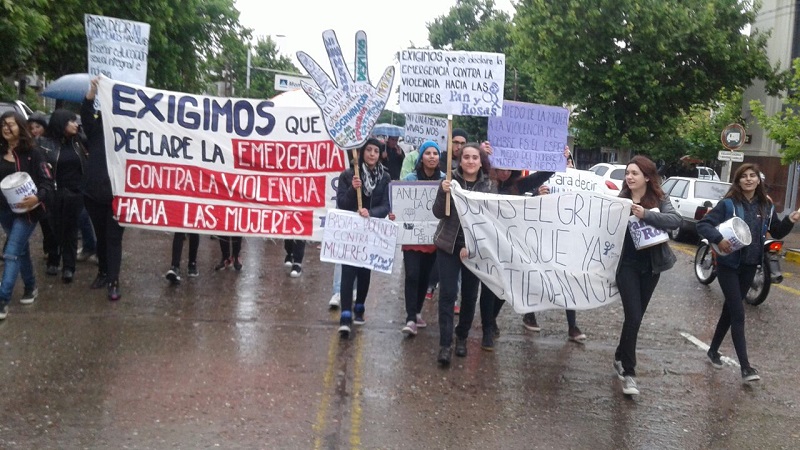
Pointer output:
x,y
20,154
747,200
639,270
67,156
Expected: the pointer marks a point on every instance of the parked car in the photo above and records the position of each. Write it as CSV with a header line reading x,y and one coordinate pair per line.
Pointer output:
x,y
613,176
17,106
692,197
707,173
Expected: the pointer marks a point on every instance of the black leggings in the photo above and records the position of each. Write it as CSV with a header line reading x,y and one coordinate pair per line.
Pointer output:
x,y
418,266
231,246
296,249
177,248
349,276
734,283
109,237
635,290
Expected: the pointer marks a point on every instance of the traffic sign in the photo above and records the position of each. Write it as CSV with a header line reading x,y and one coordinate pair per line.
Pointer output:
x,y
730,156
733,136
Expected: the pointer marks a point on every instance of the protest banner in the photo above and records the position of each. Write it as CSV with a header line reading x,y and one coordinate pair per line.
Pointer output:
x,y
358,241
193,163
574,180
421,128
452,82
557,251
117,48
529,137
412,204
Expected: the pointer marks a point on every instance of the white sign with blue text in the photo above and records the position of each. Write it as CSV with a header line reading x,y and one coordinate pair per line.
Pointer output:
x,y
358,241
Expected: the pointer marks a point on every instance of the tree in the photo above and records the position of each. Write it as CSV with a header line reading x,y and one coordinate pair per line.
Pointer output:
x,y
633,67
267,56
784,127
22,25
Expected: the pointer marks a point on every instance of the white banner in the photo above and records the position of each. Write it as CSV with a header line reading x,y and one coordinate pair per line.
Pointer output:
x,y
184,162
117,48
557,251
455,82
358,241
421,128
412,203
574,180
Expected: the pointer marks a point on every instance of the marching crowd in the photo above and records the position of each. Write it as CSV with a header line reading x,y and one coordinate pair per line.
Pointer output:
x,y
73,192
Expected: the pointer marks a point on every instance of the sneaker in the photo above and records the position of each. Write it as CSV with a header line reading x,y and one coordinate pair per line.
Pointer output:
x,y
67,276
421,322
288,261
297,270
335,301
29,296
575,335
629,386
173,275
193,272
52,270
3,312
529,322
410,328
444,356
750,374
344,323
457,309
359,315
495,331
223,264
487,343
461,347
113,291
237,264
618,370
715,358
429,295
84,255
99,282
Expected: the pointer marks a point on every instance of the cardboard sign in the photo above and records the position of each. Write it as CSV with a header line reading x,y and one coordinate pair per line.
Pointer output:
x,y
357,241
411,203
529,137
117,48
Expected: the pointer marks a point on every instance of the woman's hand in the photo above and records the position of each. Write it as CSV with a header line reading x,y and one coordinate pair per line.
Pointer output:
x,y
29,202
363,212
725,246
392,216
487,147
92,88
638,211
795,216
464,254
446,186
356,183
543,190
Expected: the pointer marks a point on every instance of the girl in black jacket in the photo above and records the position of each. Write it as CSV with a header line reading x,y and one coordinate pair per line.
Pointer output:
x,y
374,186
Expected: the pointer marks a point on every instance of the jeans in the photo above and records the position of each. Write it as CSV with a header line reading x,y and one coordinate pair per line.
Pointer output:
x,y
450,267
337,279
177,248
17,253
734,283
349,276
635,290
87,232
418,266
109,238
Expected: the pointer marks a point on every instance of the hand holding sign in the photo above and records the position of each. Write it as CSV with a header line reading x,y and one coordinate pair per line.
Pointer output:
x,y
350,107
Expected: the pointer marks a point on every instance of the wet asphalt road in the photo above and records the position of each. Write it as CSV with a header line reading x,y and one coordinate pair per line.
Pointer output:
x,y
252,360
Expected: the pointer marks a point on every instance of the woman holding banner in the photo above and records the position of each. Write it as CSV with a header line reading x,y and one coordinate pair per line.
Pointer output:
x,y
418,260
746,199
639,269
451,251
373,183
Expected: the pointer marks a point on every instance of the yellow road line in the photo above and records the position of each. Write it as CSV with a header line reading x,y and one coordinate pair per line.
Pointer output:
x,y
355,413
788,289
327,385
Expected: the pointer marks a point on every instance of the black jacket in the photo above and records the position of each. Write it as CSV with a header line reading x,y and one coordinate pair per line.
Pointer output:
x,y
449,226
377,203
52,151
33,162
96,183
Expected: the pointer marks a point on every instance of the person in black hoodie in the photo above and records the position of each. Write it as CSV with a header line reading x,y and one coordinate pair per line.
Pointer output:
x,y
67,156
20,154
373,183
97,197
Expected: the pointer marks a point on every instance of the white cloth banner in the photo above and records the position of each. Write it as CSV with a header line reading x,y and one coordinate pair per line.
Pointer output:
x,y
117,48
557,251
421,128
574,180
199,164
412,203
454,82
358,241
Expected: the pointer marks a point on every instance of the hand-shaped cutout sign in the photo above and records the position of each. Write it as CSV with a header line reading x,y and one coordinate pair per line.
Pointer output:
x,y
350,106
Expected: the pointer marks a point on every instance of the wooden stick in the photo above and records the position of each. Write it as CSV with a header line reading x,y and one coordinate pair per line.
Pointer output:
x,y
449,161
356,173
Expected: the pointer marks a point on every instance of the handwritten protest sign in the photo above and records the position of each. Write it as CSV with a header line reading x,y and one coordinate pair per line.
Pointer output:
x,y
117,48
412,203
546,252
529,137
183,162
350,106
358,241
421,128
455,82
574,180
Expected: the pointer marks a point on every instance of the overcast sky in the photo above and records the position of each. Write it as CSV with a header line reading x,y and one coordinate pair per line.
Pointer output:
x,y
389,27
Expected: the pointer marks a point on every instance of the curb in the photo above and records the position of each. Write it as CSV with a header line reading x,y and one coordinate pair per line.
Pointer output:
x,y
793,255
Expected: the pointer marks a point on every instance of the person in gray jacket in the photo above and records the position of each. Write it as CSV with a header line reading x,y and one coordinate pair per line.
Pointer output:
x,y
639,270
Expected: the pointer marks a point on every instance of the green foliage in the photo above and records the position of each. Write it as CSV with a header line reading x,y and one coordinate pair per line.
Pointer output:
x,y
633,67
394,118
784,127
22,26
267,56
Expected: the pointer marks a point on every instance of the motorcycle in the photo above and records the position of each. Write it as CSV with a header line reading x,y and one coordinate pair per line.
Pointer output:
x,y
767,273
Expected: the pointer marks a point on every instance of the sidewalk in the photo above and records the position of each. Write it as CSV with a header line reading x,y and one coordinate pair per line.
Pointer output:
x,y
791,243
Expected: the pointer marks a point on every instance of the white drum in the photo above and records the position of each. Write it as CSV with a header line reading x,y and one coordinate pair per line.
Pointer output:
x,y
16,187
736,231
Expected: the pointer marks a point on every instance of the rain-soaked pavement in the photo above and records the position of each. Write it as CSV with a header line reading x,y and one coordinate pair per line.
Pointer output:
x,y
252,360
